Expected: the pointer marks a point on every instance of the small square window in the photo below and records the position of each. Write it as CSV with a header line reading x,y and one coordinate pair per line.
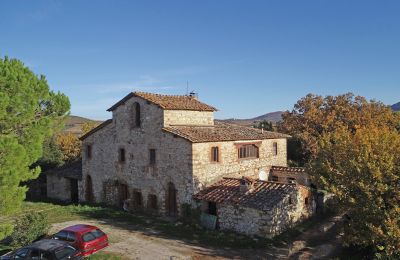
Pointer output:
x,y
274,178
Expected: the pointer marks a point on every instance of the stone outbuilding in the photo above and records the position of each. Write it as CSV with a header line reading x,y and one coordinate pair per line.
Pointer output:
x,y
157,151
62,183
254,207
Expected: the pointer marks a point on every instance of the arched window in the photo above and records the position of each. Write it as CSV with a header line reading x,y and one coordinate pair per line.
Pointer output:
x,y
89,189
136,113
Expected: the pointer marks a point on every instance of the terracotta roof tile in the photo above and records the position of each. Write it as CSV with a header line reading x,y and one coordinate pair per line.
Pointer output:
x,y
263,196
168,102
221,132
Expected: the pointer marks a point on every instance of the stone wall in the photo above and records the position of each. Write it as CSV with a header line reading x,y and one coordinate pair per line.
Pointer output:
x,y
58,188
250,221
173,158
286,177
185,117
206,172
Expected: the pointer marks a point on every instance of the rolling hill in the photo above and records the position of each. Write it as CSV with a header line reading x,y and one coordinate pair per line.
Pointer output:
x,y
396,107
74,124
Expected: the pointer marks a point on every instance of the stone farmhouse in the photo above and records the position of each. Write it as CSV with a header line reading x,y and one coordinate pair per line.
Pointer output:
x,y
163,153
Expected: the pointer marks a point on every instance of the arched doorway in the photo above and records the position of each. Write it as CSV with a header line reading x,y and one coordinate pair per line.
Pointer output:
x,y
171,205
89,189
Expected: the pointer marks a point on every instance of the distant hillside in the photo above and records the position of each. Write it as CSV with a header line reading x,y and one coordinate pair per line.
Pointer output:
x,y
274,117
74,124
396,107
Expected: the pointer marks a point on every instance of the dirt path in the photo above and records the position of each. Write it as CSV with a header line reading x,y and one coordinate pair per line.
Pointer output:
x,y
317,243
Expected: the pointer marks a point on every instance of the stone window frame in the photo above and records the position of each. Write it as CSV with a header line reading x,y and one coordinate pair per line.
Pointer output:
x,y
275,148
218,157
241,145
137,115
121,155
152,157
88,151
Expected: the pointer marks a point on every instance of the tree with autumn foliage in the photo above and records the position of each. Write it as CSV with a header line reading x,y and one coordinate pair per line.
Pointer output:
x,y
70,145
361,167
29,112
351,148
314,115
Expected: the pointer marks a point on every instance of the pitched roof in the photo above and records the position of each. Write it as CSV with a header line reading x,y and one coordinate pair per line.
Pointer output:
x,y
263,196
287,169
221,132
97,128
168,102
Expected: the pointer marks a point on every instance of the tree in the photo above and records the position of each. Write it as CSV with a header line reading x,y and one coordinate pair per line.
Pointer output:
x,y
89,125
70,146
266,125
361,167
29,112
314,115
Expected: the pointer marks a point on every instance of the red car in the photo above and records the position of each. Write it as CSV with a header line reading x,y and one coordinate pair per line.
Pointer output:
x,y
88,239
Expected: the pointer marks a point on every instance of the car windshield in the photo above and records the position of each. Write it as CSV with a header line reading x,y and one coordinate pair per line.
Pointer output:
x,y
64,252
62,235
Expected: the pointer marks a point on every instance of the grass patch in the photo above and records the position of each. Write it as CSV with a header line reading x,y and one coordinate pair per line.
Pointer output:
x,y
106,256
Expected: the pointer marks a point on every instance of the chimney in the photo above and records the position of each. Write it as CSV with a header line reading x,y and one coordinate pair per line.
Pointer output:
x,y
194,95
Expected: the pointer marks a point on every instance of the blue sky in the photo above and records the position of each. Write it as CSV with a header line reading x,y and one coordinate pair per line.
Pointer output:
x,y
246,58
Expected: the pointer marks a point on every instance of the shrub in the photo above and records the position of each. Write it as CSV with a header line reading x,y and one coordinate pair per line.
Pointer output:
x,y
28,228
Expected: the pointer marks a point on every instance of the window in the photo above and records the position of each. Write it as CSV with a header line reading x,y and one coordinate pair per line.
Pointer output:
x,y
152,156
306,201
66,252
212,208
122,155
274,178
291,180
21,253
88,237
88,151
137,199
214,154
71,237
136,119
248,151
152,201
62,235
275,148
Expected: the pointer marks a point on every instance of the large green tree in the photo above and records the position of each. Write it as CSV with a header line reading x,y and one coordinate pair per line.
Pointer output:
x,y
29,112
